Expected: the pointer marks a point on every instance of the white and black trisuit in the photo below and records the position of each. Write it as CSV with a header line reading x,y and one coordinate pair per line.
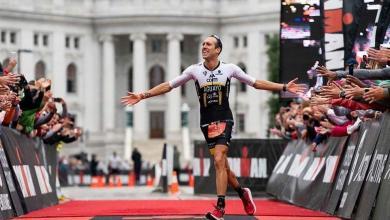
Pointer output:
x,y
213,87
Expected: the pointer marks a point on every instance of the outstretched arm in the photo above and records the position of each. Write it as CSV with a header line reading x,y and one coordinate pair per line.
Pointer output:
x,y
291,86
133,98
267,85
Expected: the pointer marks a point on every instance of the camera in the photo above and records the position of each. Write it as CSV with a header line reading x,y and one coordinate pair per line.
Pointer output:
x,y
20,85
57,99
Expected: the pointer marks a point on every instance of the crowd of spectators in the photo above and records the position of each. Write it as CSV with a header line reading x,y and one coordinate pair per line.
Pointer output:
x,y
337,108
30,108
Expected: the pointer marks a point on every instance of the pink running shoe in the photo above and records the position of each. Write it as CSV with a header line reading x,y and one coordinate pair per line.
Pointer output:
x,y
247,201
217,214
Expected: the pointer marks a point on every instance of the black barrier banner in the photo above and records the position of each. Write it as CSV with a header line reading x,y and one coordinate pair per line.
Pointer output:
x,y
318,179
32,178
382,204
294,169
6,187
16,203
277,180
252,161
311,174
374,175
50,162
333,201
359,168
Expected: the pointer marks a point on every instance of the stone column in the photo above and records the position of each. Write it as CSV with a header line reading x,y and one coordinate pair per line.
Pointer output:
x,y
108,83
174,97
141,116
92,84
59,65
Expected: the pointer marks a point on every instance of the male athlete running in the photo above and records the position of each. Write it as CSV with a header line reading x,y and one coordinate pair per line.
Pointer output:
x,y
212,81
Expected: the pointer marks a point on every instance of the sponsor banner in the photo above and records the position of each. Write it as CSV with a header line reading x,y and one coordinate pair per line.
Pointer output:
x,y
6,188
359,168
49,154
382,203
251,160
374,174
8,182
277,180
32,178
333,34
349,152
317,181
311,174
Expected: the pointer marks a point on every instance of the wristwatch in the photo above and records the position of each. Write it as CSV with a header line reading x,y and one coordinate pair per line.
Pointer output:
x,y
342,94
284,87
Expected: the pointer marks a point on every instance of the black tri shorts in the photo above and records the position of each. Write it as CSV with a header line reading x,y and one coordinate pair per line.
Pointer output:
x,y
219,132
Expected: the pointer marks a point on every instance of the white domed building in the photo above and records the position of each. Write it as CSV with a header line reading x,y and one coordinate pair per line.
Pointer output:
x,y
96,50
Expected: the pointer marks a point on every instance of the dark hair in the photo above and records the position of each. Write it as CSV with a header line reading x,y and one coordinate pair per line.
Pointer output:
x,y
219,42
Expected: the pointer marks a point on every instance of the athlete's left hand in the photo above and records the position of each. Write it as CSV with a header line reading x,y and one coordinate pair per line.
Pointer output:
x,y
295,88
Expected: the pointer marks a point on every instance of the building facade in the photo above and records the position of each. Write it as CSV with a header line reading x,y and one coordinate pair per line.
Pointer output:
x,y
96,50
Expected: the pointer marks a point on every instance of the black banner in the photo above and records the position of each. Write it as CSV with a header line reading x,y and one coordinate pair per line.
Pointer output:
x,y
382,210
318,179
359,168
17,204
251,160
374,175
6,188
310,175
31,176
333,201
278,179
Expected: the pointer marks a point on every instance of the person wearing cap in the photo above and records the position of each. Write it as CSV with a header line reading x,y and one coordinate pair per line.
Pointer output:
x,y
212,81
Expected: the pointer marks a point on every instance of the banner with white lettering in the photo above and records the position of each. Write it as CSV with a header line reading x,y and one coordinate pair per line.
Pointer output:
x,y
311,174
316,182
359,168
251,160
10,183
349,152
278,178
333,34
374,175
6,186
382,204
30,174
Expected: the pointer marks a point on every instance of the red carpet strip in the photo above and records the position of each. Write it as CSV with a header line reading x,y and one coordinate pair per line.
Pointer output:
x,y
266,209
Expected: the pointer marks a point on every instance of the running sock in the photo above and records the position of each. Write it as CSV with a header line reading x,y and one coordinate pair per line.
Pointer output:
x,y
221,202
240,191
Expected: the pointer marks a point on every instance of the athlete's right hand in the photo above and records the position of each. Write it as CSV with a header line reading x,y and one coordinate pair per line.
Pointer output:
x,y
131,98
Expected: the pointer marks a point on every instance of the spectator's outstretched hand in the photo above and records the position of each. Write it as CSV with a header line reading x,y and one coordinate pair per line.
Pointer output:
x,y
8,80
131,98
295,88
322,71
356,81
374,94
331,91
11,64
314,101
353,91
4,90
379,56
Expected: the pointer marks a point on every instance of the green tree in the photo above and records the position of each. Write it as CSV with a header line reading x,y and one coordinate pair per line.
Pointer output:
x,y
273,75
